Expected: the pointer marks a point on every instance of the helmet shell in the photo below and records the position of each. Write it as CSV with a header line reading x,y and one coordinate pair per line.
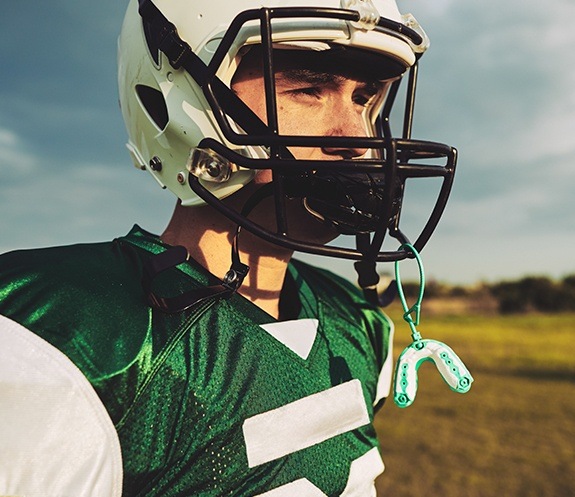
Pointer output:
x,y
164,109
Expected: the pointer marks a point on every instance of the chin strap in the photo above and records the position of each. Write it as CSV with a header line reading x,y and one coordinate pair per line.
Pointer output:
x,y
174,256
177,255
368,277
449,365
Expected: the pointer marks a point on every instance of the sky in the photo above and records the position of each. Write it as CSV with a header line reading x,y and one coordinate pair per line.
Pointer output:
x,y
497,83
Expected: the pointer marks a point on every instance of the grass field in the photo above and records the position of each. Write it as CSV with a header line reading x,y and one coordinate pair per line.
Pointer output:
x,y
512,434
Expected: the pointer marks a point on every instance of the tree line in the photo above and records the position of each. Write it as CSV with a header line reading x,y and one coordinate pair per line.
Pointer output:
x,y
527,294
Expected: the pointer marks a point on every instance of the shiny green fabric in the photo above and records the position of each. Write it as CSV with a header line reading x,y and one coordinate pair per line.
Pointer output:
x,y
179,387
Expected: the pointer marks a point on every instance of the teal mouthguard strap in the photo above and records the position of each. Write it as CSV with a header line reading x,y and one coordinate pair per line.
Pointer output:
x,y
449,365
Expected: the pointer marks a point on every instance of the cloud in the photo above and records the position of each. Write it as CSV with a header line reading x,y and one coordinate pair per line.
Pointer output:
x,y
60,87
92,202
15,161
497,83
64,132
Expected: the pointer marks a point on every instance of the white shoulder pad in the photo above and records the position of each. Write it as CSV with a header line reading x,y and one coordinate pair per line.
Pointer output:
x,y
386,373
56,435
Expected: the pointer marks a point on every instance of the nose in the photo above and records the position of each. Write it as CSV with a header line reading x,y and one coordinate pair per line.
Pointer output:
x,y
346,122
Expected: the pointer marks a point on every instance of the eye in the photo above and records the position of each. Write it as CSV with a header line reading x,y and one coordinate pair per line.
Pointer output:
x,y
367,95
309,91
362,100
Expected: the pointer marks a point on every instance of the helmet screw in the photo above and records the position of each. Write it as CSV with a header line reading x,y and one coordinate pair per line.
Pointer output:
x,y
181,178
156,163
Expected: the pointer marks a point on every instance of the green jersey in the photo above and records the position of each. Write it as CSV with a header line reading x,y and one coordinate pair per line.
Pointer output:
x,y
220,399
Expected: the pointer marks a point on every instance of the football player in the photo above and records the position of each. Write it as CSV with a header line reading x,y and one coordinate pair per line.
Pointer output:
x,y
206,361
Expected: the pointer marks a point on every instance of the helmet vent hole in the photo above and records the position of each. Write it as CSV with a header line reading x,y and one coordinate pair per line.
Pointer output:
x,y
152,41
154,103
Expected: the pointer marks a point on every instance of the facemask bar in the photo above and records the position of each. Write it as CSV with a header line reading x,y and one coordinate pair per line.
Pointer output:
x,y
393,192
397,158
270,134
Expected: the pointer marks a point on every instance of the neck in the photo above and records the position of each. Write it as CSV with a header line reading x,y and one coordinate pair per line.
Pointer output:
x,y
208,237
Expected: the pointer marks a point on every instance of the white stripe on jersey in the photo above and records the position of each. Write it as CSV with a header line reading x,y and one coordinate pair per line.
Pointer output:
x,y
298,334
305,422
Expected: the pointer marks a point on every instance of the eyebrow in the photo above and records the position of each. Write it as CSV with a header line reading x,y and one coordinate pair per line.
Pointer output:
x,y
311,77
308,76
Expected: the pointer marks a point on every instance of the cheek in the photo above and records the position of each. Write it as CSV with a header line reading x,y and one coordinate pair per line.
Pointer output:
x,y
258,107
263,176
295,119
300,120
251,92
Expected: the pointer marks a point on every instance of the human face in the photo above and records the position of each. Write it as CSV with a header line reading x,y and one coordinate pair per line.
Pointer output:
x,y
311,102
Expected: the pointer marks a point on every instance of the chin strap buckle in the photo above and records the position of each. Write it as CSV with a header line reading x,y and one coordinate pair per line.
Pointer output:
x,y
234,278
174,256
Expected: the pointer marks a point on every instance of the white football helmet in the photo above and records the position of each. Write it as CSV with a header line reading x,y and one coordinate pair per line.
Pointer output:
x,y
198,139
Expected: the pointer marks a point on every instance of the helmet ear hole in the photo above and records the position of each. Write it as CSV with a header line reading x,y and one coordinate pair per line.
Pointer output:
x,y
154,104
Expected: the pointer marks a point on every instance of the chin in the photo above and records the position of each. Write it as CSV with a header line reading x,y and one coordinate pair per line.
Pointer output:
x,y
307,227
